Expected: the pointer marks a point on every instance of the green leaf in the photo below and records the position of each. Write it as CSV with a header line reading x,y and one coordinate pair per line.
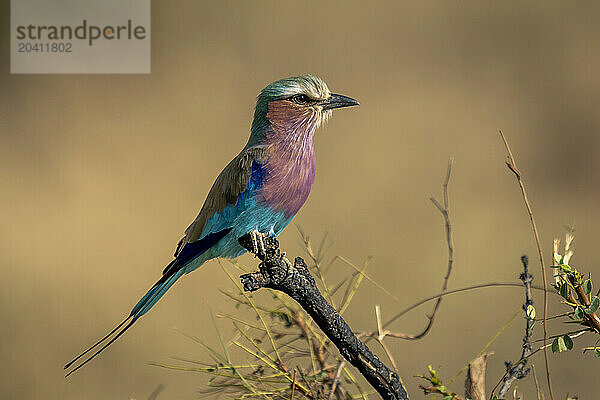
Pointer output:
x,y
597,352
566,268
568,342
564,290
431,370
558,345
593,306
530,313
558,258
555,345
587,286
578,313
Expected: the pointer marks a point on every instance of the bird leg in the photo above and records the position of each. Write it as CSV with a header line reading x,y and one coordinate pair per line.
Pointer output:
x,y
261,242
258,243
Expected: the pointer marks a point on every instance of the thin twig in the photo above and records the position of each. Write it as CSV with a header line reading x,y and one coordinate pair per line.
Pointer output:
x,y
156,392
318,349
537,384
519,370
381,337
444,210
388,353
336,379
572,336
450,242
512,165
436,296
592,319
293,385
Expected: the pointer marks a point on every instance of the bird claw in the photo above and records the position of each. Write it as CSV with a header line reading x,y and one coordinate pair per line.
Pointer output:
x,y
258,243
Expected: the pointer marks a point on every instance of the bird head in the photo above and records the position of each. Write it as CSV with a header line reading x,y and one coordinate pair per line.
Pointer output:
x,y
295,107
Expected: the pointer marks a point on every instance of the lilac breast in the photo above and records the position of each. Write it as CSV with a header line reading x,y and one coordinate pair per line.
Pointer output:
x,y
290,173
290,168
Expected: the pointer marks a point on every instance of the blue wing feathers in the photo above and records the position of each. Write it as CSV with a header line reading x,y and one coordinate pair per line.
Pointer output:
x,y
217,239
193,250
258,176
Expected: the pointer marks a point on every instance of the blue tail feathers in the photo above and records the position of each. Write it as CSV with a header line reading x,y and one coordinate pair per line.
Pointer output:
x,y
172,272
154,294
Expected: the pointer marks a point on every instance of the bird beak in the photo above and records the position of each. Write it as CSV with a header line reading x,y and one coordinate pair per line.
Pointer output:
x,y
337,101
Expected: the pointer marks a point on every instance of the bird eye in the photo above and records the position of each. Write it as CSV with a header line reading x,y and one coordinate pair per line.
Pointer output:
x,y
301,99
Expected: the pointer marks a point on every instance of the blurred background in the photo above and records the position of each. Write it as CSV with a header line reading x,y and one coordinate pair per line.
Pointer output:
x,y
100,175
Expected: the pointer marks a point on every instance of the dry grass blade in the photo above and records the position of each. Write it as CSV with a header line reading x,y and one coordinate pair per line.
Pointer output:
x,y
293,386
215,355
276,368
486,347
374,282
251,325
363,395
220,359
256,345
271,311
316,259
258,314
227,356
353,286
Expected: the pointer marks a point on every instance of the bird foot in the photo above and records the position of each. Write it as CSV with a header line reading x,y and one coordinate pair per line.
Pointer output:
x,y
258,243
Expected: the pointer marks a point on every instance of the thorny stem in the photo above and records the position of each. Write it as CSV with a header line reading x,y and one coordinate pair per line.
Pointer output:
x,y
519,370
572,336
512,165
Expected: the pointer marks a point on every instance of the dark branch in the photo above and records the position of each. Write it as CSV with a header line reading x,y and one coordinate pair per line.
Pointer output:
x,y
277,272
520,370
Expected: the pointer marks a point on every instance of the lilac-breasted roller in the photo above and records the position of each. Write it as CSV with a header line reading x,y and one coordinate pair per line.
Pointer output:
x,y
259,191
